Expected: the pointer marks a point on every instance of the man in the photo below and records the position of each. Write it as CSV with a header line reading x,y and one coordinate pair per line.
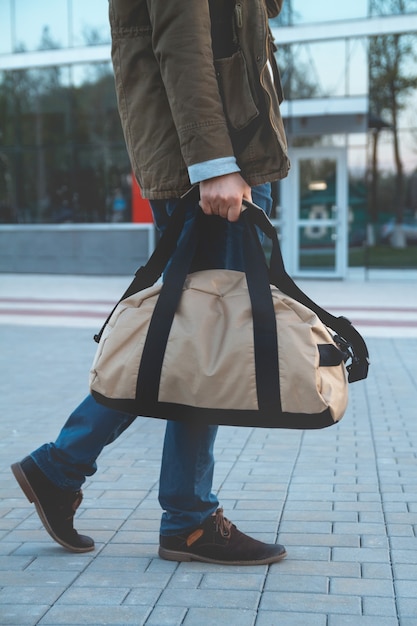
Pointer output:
x,y
198,104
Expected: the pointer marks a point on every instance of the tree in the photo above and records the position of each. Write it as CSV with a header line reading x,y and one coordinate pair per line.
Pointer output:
x,y
392,78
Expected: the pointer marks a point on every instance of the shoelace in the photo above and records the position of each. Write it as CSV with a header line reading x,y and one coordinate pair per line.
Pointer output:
x,y
78,500
223,525
69,508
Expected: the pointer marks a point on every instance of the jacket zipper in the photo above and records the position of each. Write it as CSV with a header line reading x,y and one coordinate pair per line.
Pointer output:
x,y
239,14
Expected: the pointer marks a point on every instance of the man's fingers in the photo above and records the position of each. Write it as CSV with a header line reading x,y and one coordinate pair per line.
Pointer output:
x,y
228,208
233,212
223,195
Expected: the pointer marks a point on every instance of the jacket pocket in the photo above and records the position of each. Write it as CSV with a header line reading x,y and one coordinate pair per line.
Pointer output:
x,y
238,103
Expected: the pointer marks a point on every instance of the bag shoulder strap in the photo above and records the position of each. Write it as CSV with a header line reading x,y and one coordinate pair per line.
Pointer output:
x,y
350,337
148,274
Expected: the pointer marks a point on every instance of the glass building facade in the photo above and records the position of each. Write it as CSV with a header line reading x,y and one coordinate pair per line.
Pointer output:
x,y
350,82
62,152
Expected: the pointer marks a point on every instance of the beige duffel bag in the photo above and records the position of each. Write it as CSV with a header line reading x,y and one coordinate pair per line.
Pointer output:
x,y
226,347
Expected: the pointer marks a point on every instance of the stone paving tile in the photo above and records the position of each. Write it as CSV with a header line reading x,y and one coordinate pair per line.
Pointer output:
x,y
61,561
406,588
405,556
229,581
32,579
82,615
360,528
275,618
402,530
354,620
219,598
237,570
18,563
379,607
407,607
377,570
136,565
321,568
310,553
362,587
360,555
297,582
166,616
96,596
29,548
324,539
148,551
375,541
183,579
22,615
125,579
311,603
213,616
310,517
29,596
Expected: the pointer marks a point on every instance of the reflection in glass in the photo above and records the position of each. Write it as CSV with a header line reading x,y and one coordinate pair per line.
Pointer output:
x,y
41,25
335,68
62,152
6,28
89,22
325,11
317,213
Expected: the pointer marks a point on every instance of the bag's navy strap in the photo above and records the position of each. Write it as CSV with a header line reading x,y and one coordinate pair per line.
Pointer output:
x,y
149,374
265,332
358,368
264,322
148,274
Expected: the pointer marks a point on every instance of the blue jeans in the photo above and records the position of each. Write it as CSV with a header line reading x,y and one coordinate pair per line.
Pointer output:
x,y
185,488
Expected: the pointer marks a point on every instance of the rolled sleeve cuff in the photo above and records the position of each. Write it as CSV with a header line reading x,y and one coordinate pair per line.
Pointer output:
x,y
212,168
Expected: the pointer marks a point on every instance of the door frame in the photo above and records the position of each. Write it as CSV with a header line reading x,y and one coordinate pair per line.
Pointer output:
x,y
289,223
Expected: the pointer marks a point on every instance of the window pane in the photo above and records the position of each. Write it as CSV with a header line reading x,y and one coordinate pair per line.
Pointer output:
x,y
63,153
41,24
331,68
6,28
304,11
90,24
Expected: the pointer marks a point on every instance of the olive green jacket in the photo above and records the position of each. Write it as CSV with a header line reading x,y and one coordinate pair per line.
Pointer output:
x,y
179,106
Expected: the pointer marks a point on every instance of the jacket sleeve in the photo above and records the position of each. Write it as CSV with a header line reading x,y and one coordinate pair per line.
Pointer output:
x,y
181,40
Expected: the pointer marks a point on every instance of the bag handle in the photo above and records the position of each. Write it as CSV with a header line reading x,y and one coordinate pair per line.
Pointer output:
x,y
147,275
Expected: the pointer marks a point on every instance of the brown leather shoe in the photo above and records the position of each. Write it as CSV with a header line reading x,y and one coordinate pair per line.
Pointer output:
x,y
219,541
55,506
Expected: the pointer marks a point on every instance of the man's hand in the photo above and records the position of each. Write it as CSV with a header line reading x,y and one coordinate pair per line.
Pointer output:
x,y
223,195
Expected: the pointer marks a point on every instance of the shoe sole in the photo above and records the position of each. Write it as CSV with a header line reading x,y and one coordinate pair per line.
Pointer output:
x,y
186,557
25,486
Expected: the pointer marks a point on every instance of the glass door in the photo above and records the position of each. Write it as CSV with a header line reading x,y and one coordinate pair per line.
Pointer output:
x,y
319,216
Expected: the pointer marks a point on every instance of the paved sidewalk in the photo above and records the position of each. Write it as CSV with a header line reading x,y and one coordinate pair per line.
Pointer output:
x,y
342,500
